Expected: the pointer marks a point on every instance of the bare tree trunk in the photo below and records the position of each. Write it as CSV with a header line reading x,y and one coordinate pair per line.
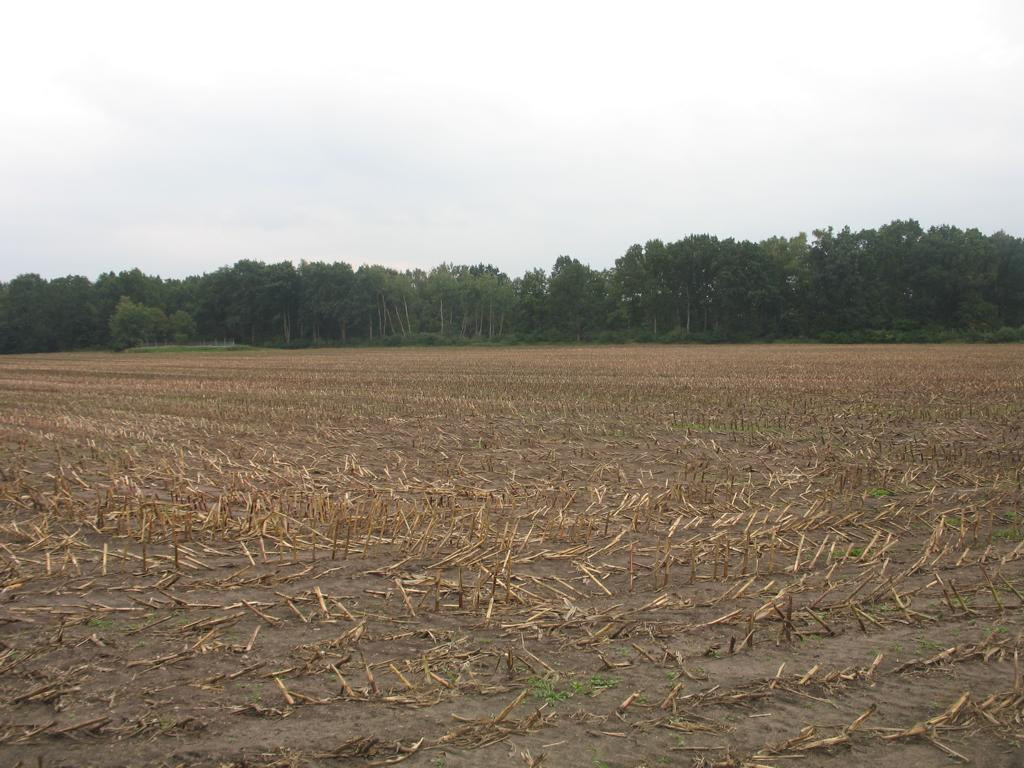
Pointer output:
x,y
402,329
398,317
442,315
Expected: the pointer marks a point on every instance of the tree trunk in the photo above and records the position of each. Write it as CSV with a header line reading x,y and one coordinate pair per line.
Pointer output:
x,y
398,317
402,328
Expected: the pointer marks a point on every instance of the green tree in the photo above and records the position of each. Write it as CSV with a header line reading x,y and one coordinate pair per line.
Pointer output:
x,y
576,296
133,324
530,307
842,284
181,327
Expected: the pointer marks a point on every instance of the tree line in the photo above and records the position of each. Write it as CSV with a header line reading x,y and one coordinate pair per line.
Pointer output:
x,y
898,282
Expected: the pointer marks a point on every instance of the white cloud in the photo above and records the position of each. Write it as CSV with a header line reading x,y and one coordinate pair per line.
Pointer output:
x,y
183,136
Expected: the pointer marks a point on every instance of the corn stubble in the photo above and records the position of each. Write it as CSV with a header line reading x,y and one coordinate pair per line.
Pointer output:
x,y
626,556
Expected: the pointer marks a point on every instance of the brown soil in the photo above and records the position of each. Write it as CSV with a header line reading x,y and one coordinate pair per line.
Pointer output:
x,y
642,556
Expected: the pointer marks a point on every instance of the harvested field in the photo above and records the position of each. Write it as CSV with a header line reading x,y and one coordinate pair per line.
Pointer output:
x,y
640,556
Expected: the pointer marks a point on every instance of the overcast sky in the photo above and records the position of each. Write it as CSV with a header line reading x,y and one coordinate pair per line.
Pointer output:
x,y
180,136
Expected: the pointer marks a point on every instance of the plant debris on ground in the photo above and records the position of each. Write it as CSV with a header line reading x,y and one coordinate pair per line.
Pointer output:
x,y
723,556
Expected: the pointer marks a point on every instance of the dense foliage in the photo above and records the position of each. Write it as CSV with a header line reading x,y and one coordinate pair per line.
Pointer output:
x,y
897,282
